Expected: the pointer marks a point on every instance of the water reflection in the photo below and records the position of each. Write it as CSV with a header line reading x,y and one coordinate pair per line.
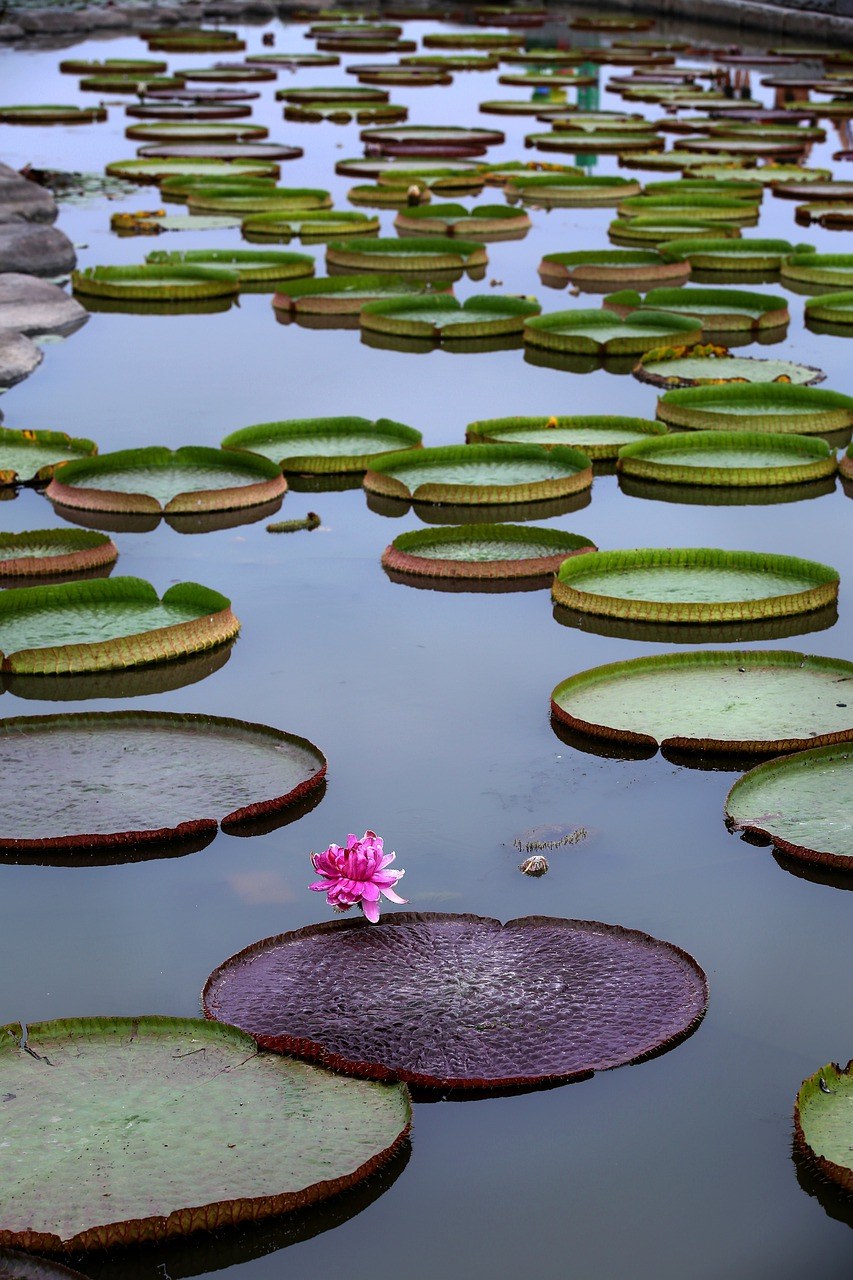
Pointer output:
x,y
578,363
152,307
189,522
833,1199
724,495
697,632
491,513
422,346
138,682
476,586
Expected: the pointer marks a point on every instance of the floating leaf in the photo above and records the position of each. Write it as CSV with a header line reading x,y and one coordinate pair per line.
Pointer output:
x,y
487,1005
27,456
775,406
801,803
703,367
480,473
251,265
598,333
153,171
745,701
597,436
445,319
135,1097
822,1124
483,552
483,222
50,114
820,270
49,553
598,270
747,254
695,584
605,142
195,131
426,255
313,224
724,458
324,446
564,190
718,310
341,295
169,283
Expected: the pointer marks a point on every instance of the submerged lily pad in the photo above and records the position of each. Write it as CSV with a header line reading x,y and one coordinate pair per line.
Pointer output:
x,y
718,310
694,584
157,283
801,803
49,553
422,254
474,474
587,332
285,1134
822,1124
745,702
728,458
774,406
484,552
324,445
597,436
27,456
108,624
251,265
443,318
701,367
490,1006
154,479
597,270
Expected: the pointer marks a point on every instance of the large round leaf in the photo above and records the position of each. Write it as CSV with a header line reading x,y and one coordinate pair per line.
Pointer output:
x,y
27,456
775,407
169,282
717,310
135,1129
45,554
422,254
747,254
817,271
483,552
253,266
694,584
728,458
463,1002
802,803
598,333
128,779
823,1122
745,701
568,190
598,270
341,295
701,367
324,445
480,473
598,436
50,114
443,318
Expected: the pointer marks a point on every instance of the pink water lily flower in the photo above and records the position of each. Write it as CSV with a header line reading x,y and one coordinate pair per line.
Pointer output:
x,y
357,875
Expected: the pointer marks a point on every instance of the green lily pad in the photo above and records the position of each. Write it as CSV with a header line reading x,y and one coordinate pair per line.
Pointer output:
x,y
801,803
718,310
51,114
701,367
744,702
332,95
600,333
257,200
758,147
382,74
660,228
135,1096
423,254
345,112
774,407
472,40
195,41
108,624
728,458
188,480
47,554
771,175
694,585
706,208
829,191
443,318
154,170
227,73
483,552
153,223
309,224
822,1128
819,269
138,85
112,66
747,254
251,265
196,131
597,436
293,61
405,169
453,62
27,456
664,160
171,283
561,189
597,270
430,140
375,196
475,474
482,222
323,446
835,216
340,295
179,187
835,308
739,190
600,143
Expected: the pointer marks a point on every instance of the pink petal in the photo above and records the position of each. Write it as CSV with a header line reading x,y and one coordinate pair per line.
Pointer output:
x,y
371,911
370,892
393,897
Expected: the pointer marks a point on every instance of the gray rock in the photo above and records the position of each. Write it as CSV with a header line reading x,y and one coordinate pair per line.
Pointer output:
x,y
10,31
34,250
33,306
21,200
18,357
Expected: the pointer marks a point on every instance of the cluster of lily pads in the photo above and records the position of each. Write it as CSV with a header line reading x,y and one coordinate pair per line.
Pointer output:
x,y
328,1085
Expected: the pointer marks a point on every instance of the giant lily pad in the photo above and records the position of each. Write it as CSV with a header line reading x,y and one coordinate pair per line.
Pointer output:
x,y
28,456
293,61
776,407
823,191
728,458
165,283
108,624
154,479
717,310
344,112
47,554
604,142
597,270
747,254
375,196
309,224
834,309
705,366
195,131
474,474
227,152
112,67
153,171
251,200
160,778
333,95
473,40
821,270
598,437
491,1006
324,445
835,216
771,175
482,552
599,333
743,702
801,803
421,254
121,1111
252,265
393,74
430,140
707,208
444,318
482,222
453,61
50,114
405,170
228,73
560,189
195,41
754,148
130,84
694,584
340,295
822,1126
662,227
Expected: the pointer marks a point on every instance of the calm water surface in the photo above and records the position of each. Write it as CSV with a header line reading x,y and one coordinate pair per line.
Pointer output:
x,y
433,711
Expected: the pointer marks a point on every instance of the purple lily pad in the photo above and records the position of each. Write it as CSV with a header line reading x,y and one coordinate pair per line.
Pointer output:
x,y
462,1001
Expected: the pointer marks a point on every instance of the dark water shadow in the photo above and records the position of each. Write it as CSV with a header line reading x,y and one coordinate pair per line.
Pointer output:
x,y
152,307
830,327
491,513
457,346
566,363
189,522
833,1199
697,632
605,748
264,825
470,586
135,683
704,495
104,857
215,1251
833,878
48,579
328,482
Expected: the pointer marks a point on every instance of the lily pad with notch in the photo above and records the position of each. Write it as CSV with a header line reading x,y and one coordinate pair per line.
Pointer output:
x,y
29,457
309,224
442,318
421,255
322,446
566,191
340,295
482,222
597,270
621,996
253,266
768,406
717,310
478,474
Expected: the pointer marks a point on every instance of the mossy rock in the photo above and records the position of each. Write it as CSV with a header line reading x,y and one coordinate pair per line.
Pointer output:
x,y
728,459
417,254
694,585
597,270
473,475
169,283
320,224
767,407
324,446
444,319
482,552
717,310
51,114
482,222
586,332
599,437
747,254
29,457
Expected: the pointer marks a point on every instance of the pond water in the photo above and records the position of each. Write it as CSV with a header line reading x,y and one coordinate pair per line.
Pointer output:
x,y
432,708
